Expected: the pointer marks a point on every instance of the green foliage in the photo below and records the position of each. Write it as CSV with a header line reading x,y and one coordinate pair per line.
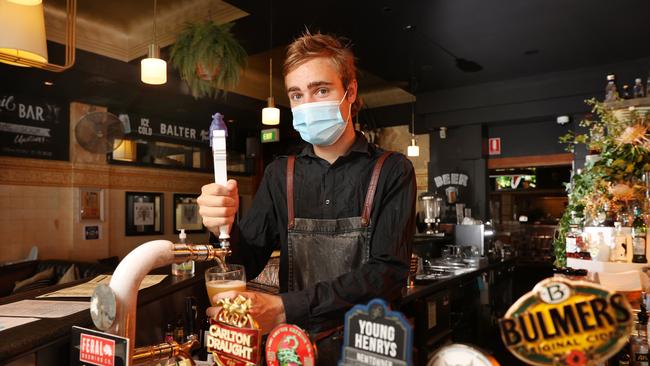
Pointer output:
x,y
622,163
210,46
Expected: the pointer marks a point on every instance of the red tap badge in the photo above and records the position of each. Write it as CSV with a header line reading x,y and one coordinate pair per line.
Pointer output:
x,y
234,337
289,345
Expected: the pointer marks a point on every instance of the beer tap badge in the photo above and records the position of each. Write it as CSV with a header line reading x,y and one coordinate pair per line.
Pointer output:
x,y
234,336
567,323
288,345
375,335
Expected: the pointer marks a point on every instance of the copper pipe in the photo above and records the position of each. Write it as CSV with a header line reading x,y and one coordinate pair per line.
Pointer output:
x,y
165,351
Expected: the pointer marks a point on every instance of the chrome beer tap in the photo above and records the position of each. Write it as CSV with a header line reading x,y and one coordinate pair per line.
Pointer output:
x,y
113,307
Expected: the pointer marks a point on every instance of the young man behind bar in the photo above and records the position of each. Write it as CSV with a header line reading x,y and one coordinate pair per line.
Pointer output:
x,y
344,237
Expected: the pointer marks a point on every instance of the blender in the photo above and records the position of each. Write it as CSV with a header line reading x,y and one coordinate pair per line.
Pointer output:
x,y
432,205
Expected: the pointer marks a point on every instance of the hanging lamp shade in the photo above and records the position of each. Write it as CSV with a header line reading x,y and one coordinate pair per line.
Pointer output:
x,y
153,69
271,114
22,32
413,149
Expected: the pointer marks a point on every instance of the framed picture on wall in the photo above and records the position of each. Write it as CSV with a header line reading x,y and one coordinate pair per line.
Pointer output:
x,y
186,213
91,204
144,213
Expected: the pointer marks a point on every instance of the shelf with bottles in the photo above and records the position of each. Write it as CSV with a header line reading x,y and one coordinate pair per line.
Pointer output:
x,y
604,266
624,104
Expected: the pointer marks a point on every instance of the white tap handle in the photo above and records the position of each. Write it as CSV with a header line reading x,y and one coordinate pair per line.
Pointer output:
x,y
220,169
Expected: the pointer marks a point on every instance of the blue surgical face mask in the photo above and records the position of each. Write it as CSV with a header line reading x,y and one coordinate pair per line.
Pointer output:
x,y
320,123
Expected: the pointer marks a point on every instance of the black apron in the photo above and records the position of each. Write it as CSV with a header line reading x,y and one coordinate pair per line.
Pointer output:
x,y
324,249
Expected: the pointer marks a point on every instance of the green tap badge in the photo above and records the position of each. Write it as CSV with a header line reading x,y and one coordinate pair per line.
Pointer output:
x,y
568,323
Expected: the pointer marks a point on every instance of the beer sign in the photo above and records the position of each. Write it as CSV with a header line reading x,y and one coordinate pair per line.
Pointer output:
x,y
91,347
563,322
234,337
375,335
287,344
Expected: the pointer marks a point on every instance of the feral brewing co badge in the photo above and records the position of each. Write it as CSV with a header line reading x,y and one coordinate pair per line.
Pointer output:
x,y
562,322
289,345
374,335
234,337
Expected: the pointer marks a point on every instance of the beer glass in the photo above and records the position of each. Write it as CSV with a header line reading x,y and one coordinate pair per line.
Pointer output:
x,y
217,280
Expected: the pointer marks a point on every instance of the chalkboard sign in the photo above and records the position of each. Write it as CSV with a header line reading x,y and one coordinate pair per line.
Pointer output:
x,y
33,127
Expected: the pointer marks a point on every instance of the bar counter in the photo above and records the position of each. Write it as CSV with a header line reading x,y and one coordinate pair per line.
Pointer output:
x,y
49,339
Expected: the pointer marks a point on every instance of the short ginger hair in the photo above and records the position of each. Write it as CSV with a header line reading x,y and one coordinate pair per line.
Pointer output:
x,y
310,46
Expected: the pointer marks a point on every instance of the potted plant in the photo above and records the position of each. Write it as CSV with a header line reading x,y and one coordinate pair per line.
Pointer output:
x,y
208,57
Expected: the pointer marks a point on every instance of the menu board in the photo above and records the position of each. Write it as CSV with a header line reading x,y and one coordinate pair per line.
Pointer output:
x,y
33,127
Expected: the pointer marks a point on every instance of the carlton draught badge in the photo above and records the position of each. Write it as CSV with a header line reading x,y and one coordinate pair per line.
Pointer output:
x,y
562,322
234,337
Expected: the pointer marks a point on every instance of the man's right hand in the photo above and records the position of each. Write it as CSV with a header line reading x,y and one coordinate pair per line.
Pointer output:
x,y
218,205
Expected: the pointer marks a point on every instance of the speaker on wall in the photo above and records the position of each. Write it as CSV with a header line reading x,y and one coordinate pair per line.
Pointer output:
x,y
252,147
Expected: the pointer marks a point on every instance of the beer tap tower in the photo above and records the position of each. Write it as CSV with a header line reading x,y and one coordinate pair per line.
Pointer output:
x,y
113,307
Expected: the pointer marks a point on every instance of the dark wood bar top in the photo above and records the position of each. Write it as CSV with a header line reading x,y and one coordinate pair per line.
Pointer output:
x,y
45,333
426,288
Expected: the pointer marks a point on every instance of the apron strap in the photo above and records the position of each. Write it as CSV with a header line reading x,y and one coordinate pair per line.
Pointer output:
x,y
370,195
372,188
290,168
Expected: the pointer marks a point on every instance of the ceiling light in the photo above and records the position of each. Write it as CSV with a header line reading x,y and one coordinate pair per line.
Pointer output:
x,y
413,149
23,40
153,69
270,114
443,133
23,32
48,83
25,2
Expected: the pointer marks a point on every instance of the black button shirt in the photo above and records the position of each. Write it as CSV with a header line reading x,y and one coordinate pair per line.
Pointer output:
x,y
331,191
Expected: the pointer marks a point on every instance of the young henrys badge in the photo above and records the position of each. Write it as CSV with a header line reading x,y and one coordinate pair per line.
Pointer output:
x,y
234,337
375,335
562,322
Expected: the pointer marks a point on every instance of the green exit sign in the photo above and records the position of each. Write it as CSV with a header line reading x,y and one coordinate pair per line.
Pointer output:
x,y
270,135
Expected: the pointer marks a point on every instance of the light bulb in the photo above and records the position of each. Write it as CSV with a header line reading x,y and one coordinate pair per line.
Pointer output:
x,y
153,71
413,149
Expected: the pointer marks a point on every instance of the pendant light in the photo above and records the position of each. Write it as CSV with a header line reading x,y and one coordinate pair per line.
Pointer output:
x,y
23,41
153,69
413,149
270,114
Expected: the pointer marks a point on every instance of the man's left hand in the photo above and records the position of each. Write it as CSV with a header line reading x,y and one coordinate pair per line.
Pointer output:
x,y
267,310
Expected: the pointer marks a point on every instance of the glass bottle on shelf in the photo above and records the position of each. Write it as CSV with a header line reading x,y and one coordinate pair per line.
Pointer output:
x,y
638,88
639,232
179,333
611,92
576,247
622,358
169,334
626,92
639,340
622,245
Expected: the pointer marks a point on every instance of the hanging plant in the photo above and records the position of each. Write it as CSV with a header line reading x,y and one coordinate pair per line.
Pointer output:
x,y
208,57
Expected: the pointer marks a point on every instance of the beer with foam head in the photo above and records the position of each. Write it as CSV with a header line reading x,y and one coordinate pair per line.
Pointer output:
x,y
218,280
